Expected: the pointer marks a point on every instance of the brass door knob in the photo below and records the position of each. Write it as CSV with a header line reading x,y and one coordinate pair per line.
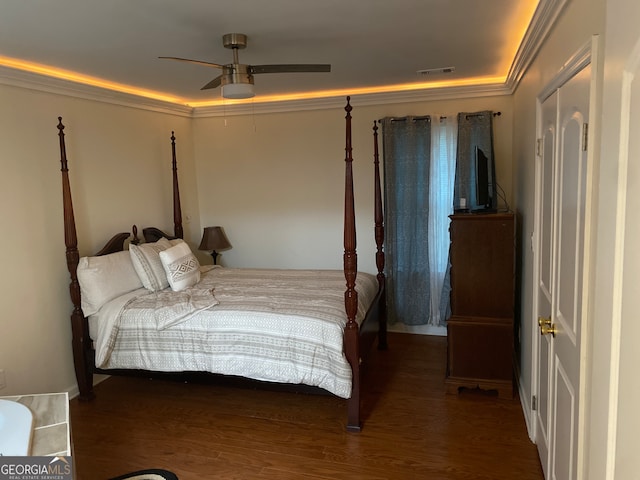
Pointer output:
x,y
546,326
544,321
545,329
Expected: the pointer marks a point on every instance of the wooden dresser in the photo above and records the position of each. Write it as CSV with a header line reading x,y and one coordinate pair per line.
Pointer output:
x,y
480,331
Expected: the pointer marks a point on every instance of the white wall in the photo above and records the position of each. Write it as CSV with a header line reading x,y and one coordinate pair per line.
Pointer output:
x,y
275,181
120,169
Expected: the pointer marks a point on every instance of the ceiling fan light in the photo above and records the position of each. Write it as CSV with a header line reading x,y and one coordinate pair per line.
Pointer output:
x,y
237,90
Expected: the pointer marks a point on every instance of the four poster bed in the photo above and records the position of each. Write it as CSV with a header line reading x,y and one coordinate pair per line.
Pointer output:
x,y
153,308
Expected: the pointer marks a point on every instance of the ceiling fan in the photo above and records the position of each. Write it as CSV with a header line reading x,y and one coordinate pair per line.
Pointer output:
x,y
237,78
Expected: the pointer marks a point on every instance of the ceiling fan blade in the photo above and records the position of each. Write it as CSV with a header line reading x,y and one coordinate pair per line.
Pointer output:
x,y
198,62
290,68
213,83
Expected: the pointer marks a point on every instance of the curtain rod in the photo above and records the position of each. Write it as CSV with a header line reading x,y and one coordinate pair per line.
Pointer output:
x,y
402,119
442,117
495,114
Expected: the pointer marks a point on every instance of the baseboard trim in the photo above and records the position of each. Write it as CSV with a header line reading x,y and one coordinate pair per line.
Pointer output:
x,y
74,391
528,413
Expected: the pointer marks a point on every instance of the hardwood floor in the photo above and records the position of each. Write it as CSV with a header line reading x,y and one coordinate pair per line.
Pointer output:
x,y
412,428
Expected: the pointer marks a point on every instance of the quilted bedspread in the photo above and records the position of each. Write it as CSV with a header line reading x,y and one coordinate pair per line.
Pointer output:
x,y
281,326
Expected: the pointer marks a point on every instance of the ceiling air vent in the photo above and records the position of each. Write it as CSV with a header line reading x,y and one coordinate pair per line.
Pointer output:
x,y
435,71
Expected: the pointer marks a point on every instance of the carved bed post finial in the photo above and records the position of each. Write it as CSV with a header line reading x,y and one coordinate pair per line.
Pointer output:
x,y
350,260
81,343
177,209
63,149
379,236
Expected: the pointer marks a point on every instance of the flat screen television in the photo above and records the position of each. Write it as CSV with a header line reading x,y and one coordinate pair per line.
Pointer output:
x,y
485,200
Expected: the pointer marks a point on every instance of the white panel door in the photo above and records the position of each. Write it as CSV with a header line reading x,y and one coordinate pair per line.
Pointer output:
x,y
546,177
570,283
562,181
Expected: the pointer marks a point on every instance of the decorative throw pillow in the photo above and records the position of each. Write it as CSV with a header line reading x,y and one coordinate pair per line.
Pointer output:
x,y
181,266
105,278
147,264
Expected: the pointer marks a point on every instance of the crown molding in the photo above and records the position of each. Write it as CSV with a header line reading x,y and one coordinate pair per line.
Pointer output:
x,y
44,83
369,99
544,18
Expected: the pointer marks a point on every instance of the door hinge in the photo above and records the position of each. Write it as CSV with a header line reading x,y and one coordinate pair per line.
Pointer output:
x,y
534,403
539,147
533,241
585,136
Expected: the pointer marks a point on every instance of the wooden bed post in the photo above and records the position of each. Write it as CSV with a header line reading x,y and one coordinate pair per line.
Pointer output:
x,y
379,237
177,209
81,342
350,261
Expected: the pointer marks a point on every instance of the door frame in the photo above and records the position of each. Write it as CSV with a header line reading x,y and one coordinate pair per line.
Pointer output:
x,y
587,54
630,72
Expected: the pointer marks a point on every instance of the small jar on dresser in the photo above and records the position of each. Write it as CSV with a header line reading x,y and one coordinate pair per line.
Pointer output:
x,y
480,344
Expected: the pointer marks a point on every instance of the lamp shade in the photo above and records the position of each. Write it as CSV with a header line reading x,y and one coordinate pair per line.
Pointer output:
x,y
213,238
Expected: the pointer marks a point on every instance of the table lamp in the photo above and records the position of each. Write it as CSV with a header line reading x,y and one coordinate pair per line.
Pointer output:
x,y
213,239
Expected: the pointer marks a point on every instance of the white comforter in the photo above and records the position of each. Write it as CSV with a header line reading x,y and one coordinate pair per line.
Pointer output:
x,y
281,326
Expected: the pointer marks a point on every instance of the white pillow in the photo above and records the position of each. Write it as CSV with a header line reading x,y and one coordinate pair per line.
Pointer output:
x,y
181,266
146,261
105,278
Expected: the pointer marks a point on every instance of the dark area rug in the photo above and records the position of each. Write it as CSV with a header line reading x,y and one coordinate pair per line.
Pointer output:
x,y
153,474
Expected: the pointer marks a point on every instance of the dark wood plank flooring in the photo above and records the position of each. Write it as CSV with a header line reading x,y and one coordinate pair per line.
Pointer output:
x,y
412,428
